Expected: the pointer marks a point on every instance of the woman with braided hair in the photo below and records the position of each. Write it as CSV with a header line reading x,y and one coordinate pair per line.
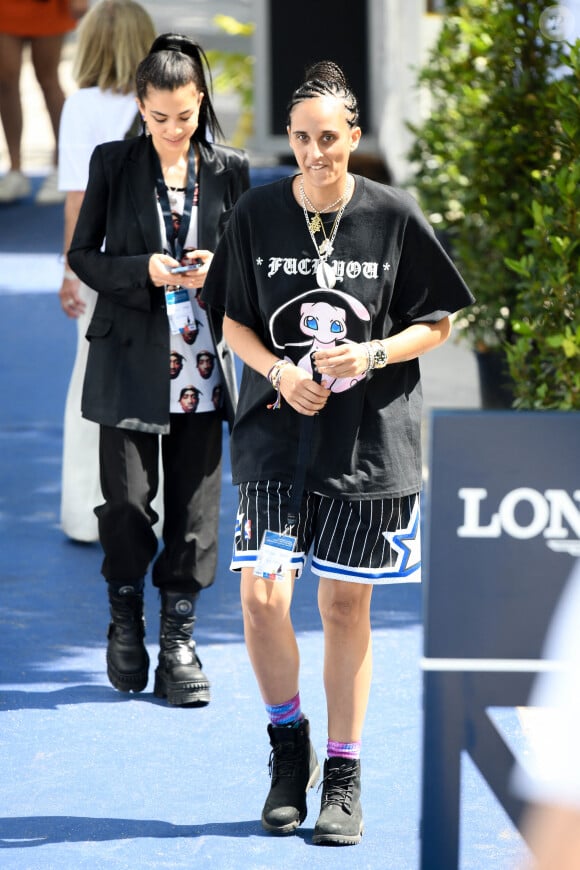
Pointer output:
x,y
332,286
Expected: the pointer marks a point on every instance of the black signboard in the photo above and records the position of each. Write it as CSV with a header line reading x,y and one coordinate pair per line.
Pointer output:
x,y
503,533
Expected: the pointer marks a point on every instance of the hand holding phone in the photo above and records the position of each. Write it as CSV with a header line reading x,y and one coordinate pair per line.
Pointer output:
x,y
191,267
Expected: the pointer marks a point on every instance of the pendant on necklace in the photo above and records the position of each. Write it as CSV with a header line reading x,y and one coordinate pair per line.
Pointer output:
x,y
325,275
315,224
325,249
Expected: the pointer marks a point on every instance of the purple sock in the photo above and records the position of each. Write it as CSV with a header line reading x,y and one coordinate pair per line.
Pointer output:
x,y
334,749
285,714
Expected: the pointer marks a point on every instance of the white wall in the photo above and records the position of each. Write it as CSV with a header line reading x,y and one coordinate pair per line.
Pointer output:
x,y
408,34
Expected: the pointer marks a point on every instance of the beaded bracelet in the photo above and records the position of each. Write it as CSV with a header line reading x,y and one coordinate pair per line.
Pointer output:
x,y
275,376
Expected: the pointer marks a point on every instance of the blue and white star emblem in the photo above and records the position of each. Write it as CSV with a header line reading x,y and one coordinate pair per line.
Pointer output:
x,y
406,544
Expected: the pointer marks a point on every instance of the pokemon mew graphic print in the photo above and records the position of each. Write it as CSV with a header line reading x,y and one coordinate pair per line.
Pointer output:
x,y
318,320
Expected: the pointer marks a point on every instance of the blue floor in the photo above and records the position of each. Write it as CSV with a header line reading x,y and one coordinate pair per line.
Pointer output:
x,y
91,778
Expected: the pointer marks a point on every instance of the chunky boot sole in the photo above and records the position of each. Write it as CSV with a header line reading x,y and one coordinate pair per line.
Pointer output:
x,y
290,827
181,694
135,682
283,830
321,839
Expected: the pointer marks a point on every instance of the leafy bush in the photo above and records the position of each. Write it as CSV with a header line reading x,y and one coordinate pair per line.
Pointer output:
x,y
544,357
475,156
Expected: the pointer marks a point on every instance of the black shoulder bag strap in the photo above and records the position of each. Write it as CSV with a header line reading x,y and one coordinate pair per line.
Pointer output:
x,y
302,458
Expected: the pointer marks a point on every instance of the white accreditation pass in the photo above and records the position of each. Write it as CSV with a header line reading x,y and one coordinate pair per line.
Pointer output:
x,y
275,556
179,310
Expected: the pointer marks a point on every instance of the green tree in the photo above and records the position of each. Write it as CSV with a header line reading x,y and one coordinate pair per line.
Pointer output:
x,y
488,132
544,356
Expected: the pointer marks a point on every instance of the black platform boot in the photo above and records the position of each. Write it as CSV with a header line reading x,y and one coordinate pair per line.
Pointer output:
x,y
127,658
179,676
294,769
340,822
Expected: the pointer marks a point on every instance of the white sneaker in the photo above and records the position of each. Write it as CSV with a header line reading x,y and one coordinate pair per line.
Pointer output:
x,y
49,194
14,185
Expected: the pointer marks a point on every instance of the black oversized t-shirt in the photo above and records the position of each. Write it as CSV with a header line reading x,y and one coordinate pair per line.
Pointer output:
x,y
391,272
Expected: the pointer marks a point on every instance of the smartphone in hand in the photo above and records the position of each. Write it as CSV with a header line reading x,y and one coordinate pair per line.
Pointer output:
x,y
191,267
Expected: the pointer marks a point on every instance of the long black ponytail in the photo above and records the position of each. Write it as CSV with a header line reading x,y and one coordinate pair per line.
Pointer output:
x,y
173,62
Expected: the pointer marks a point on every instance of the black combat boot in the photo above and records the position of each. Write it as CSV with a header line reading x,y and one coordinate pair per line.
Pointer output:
x,y
127,658
294,769
179,676
340,822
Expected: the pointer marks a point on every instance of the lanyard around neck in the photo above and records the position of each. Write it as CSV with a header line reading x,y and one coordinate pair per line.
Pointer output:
x,y
176,241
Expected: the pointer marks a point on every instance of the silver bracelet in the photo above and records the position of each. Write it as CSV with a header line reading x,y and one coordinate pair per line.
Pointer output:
x,y
367,347
69,275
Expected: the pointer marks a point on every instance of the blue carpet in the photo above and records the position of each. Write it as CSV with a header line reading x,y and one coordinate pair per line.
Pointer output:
x,y
94,779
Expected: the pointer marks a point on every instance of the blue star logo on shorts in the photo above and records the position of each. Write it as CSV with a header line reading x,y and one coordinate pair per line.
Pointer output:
x,y
406,543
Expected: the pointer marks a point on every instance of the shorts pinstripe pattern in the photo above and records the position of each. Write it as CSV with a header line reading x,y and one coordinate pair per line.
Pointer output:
x,y
376,541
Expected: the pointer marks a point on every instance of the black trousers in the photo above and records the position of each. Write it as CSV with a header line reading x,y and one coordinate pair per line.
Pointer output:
x,y
129,465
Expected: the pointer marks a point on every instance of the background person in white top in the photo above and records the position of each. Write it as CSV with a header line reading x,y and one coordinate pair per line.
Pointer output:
x,y
550,777
113,37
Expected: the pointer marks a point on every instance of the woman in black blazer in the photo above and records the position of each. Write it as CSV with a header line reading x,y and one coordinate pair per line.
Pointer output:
x,y
152,204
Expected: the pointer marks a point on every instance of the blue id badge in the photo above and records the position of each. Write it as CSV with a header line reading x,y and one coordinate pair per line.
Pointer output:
x,y
275,556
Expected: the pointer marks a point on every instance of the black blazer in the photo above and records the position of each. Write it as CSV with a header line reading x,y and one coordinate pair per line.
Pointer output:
x,y
127,377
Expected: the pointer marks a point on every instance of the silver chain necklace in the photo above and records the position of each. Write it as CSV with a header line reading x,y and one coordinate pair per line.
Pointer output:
x,y
325,274
313,208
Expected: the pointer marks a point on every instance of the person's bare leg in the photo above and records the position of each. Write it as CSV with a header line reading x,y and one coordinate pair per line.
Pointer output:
x,y
10,106
46,53
269,634
345,612
273,652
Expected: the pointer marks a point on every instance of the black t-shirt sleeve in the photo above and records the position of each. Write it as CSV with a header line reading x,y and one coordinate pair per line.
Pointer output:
x,y
428,286
230,283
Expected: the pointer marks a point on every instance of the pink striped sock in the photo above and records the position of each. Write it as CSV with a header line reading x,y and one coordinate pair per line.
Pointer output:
x,y
334,749
285,714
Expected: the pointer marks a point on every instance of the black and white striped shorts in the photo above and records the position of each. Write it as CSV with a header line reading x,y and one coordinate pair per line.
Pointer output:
x,y
374,541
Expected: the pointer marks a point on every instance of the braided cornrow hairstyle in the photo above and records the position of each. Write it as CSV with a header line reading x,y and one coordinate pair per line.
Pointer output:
x,y
324,79
173,62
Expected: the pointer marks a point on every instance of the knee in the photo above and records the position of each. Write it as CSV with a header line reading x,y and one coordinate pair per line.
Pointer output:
x,y
8,82
123,518
264,611
343,609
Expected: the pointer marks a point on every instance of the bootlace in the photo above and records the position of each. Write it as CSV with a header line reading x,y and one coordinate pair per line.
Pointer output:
x,y
283,760
177,634
127,613
337,787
